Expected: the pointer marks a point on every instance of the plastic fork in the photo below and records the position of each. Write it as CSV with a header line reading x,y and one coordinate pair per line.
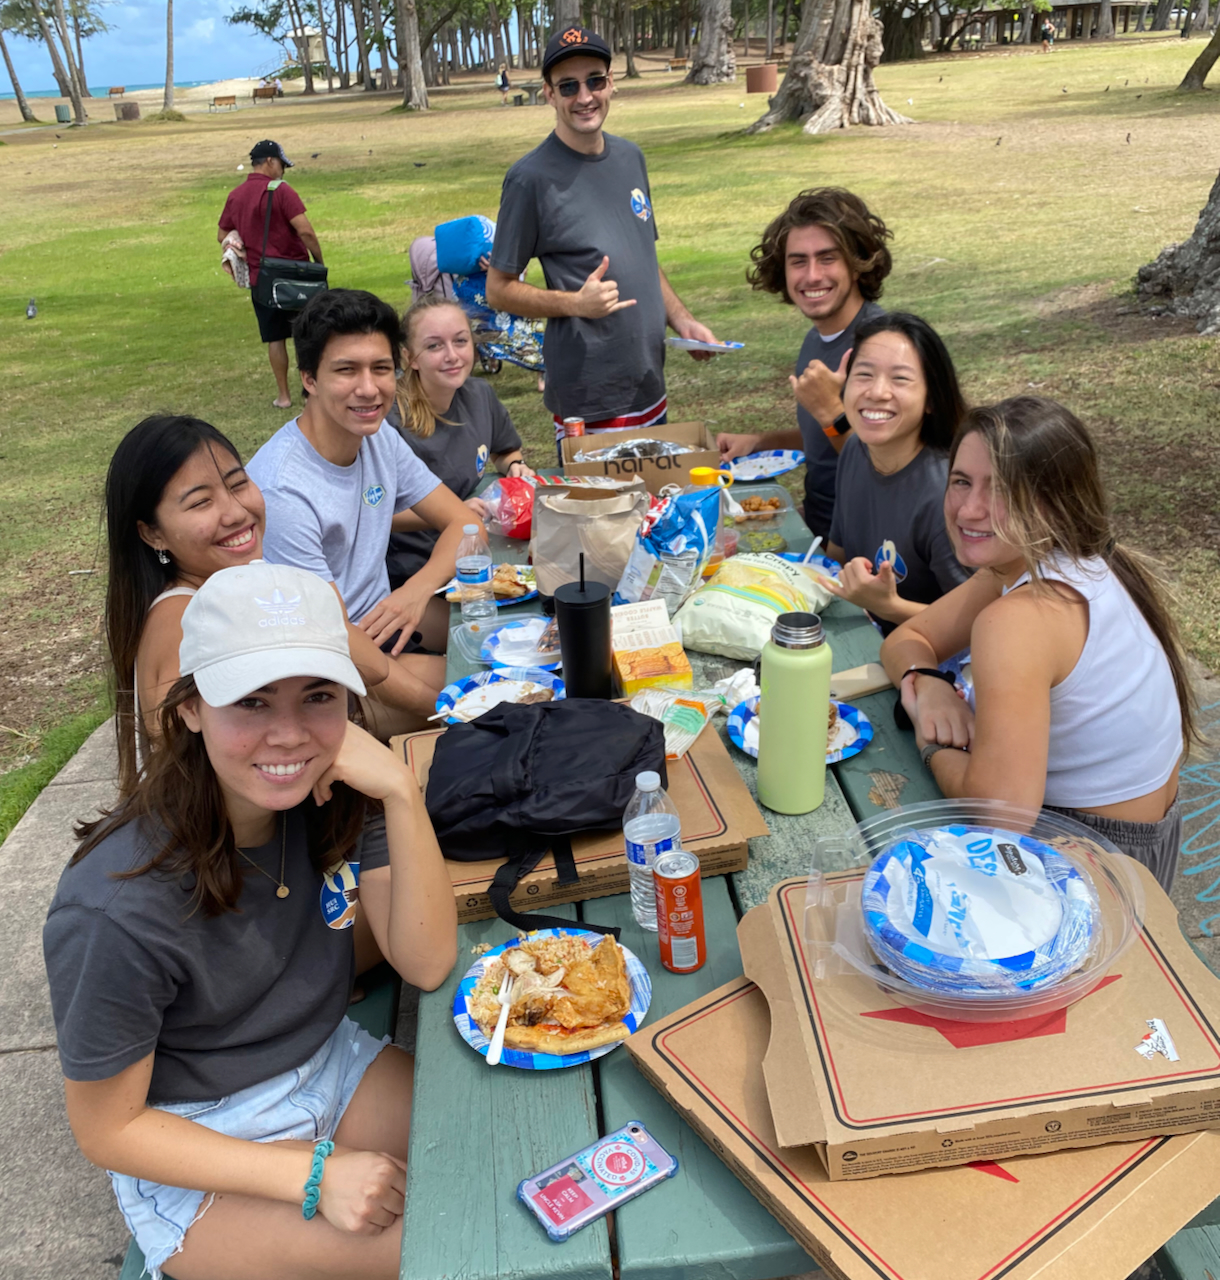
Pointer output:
x,y
505,997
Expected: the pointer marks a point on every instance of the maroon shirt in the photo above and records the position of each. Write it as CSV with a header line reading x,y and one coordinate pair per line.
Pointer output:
x,y
245,212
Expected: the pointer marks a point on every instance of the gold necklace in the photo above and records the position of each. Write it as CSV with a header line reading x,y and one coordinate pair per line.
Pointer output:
x,y
282,890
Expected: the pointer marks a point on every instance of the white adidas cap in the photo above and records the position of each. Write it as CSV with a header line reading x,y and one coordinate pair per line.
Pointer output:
x,y
256,623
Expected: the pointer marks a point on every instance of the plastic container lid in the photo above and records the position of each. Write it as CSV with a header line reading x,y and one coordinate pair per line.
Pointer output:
x,y
648,781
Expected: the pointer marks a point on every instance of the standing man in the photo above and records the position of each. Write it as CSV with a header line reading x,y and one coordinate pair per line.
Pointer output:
x,y
580,203
290,236
826,255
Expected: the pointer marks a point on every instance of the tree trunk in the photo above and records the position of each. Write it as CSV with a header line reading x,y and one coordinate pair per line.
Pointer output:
x,y
1203,16
1027,26
1141,22
1105,21
80,58
383,47
64,68
74,76
497,33
410,64
834,94
567,14
1160,19
330,75
770,54
57,64
900,40
1185,278
714,61
1193,80
624,26
362,45
22,105
168,101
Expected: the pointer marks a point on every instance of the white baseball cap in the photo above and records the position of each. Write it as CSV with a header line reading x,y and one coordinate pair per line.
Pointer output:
x,y
256,623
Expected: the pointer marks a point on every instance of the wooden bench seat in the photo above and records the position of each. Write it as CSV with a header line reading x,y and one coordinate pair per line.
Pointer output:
x,y
264,93
116,91
677,64
226,100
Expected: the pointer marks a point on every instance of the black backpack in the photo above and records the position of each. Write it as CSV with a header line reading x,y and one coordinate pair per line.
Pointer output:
x,y
520,780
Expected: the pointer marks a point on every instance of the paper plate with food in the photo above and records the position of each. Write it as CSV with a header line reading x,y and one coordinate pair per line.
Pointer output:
x,y
575,996
470,696
510,583
817,566
848,730
765,464
530,642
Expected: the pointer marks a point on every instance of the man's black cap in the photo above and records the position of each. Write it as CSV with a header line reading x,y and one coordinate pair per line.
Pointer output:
x,y
268,150
575,42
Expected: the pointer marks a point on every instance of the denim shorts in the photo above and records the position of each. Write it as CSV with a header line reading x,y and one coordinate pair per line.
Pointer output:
x,y
305,1103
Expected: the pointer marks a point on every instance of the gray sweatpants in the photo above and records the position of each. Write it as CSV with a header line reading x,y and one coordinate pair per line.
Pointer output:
x,y
1155,844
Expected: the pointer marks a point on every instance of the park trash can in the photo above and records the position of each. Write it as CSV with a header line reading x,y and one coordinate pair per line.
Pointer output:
x,y
761,79
126,110
63,115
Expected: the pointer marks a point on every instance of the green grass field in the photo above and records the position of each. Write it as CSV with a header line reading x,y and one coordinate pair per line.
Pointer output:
x,y
1020,213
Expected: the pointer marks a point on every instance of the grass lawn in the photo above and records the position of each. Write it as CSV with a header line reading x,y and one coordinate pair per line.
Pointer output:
x,y
1021,213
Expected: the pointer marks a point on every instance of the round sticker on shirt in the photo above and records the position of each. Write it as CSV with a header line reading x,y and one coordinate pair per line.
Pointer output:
x,y
340,893
887,551
618,1164
373,495
640,205
480,458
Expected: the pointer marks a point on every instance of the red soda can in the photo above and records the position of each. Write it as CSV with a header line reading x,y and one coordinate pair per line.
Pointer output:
x,y
573,426
680,911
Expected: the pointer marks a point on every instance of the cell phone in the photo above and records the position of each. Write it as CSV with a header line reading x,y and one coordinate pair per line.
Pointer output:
x,y
586,1186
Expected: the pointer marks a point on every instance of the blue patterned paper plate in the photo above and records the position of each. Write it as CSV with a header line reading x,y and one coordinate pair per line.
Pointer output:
x,y
765,464
815,561
525,576
468,1029
855,720
452,692
515,635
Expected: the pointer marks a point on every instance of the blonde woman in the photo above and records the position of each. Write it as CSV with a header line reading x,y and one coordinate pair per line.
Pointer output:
x,y
455,424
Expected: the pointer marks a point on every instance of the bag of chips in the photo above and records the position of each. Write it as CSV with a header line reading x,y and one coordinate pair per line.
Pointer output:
x,y
675,541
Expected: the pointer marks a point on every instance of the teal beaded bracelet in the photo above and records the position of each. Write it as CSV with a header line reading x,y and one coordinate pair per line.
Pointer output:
x,y
313,1188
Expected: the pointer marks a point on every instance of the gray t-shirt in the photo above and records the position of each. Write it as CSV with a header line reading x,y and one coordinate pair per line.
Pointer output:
x,y
821,460
569,210
898,517
335,521
458,453
224,1003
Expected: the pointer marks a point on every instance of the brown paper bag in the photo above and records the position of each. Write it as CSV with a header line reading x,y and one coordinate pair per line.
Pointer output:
x,y
568,522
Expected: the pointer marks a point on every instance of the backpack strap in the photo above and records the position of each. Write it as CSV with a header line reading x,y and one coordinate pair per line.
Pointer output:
x,y
271,186
525,853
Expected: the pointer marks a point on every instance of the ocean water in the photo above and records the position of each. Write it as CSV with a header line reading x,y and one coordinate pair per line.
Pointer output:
x,y
100,91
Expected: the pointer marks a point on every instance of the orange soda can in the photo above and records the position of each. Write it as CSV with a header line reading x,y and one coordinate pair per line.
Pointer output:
x,y
573,426
680,911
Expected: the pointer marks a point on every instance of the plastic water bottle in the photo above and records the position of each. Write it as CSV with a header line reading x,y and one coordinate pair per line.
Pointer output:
x,y
651,827
474,573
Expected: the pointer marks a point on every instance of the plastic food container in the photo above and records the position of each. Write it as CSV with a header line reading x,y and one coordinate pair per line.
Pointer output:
x,y
760,497
972,910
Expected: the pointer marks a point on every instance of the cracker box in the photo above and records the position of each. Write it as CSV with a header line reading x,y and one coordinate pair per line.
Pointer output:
x,y
647,649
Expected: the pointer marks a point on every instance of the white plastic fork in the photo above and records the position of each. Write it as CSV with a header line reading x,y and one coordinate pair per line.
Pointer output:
x,y
505,997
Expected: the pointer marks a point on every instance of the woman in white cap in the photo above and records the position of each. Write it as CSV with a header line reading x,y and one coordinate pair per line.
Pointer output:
x,y
200,960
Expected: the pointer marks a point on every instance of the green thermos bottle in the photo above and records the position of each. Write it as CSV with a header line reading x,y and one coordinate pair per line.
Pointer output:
x,y
792,714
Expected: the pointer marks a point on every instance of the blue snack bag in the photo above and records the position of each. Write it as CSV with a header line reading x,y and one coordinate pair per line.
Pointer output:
x,y
673,545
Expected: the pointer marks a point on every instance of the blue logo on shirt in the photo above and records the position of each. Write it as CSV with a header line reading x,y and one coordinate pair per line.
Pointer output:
x,y
640,205
373,495
887,551
480,458
340,893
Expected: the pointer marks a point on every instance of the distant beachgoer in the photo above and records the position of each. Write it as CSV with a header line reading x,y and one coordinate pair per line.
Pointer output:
x,y
503,84
279,87
291,236
1048,35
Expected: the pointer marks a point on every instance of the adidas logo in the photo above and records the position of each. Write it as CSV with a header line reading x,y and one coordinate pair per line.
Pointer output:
x,y
279,610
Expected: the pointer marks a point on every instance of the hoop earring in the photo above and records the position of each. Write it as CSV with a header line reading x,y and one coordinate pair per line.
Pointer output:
x,y
163,555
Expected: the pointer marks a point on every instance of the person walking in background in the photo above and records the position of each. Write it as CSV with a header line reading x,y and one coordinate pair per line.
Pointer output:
x,y
580,204
290,235
1048,34
503,84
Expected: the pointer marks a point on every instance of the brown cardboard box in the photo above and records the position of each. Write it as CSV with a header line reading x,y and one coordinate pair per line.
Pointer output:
x,y
1091,1214
656,472
718,818
897,1089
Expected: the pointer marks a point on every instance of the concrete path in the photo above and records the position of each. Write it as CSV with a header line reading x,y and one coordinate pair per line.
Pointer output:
x,y
58,1219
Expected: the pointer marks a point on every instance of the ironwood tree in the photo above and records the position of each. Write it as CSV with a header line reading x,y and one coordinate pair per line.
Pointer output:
x,y
1185,278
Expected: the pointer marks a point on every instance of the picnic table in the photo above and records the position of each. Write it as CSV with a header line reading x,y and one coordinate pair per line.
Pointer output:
x,y
477,1131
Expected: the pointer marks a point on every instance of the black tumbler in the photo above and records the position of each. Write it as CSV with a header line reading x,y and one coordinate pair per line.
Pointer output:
x,y
583,613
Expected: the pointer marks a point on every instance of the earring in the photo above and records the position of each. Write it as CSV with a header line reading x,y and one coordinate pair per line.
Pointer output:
x,y
163,555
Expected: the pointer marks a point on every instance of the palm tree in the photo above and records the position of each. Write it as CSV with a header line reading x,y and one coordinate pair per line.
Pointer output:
x,y
23,105
168,104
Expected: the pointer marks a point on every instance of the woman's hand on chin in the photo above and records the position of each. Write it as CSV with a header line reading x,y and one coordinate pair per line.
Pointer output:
x,y
366,766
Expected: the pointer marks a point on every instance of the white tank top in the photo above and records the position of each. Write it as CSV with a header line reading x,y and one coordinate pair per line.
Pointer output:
x,y
135,675
1116,729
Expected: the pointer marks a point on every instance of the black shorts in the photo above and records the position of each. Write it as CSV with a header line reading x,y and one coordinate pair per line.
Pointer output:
x,y
273,325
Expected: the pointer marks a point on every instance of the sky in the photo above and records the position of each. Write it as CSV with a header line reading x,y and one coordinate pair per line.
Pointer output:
x,y
133,51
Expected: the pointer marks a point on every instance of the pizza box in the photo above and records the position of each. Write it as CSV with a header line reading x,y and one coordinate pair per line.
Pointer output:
x,y
1097,1212
655,472
718,814
897,1089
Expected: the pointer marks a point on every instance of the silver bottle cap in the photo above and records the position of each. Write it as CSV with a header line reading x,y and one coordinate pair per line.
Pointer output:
x,y
798,631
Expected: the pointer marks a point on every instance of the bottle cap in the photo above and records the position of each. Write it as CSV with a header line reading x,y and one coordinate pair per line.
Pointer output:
x,y
648,781
798,631
470,528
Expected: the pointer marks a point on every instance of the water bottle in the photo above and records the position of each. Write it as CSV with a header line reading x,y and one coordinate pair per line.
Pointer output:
x,y
474,573
651,827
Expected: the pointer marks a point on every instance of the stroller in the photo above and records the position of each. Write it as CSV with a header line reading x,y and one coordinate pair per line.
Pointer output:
x,y
498,335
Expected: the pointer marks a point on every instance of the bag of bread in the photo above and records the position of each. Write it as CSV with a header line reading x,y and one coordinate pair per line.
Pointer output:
x,y
733,614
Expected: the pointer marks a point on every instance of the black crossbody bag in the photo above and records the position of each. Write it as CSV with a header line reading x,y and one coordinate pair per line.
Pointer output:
x,y
285,284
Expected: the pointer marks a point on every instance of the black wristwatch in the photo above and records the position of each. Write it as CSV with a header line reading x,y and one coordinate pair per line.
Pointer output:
x,y
839,427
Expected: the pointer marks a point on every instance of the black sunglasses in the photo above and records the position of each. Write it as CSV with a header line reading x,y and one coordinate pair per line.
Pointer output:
x,y
570,88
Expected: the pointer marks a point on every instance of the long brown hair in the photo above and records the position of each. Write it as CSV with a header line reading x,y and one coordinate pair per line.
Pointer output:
x,y
414,408
179,805
1045,471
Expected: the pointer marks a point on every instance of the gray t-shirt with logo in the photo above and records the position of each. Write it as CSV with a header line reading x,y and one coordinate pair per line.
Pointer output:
x,y
335,521
476,428
899,517
222,1003
821,460
569,210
